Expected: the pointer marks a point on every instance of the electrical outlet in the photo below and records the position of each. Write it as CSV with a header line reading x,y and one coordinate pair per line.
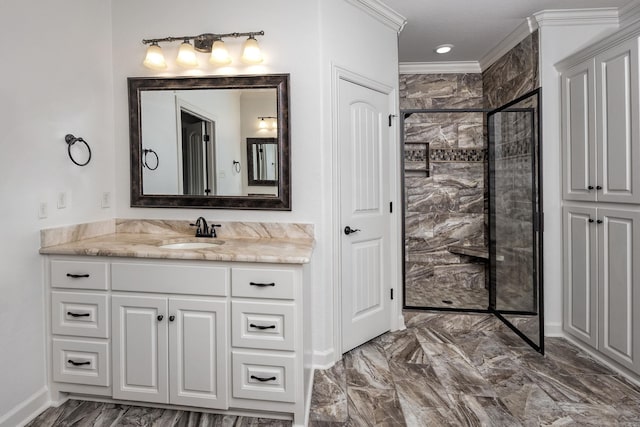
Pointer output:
x,y
106,200
62,200
43,210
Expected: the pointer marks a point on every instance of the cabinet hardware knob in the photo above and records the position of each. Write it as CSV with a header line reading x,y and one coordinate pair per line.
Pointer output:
x,y
599,221
598,187
77,276
261,284
69,313
590,220
590,187
262,327
172,318
160,317
78,363
253,377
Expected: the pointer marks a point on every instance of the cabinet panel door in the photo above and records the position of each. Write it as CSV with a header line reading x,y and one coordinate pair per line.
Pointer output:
x,y
580,273
140,348
578,133
198,353
619,278
617,118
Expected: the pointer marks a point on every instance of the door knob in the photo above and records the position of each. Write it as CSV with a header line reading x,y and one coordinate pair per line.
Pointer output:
x,y
348,230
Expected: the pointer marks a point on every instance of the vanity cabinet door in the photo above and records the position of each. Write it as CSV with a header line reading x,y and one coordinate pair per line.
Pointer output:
x,y
198,353
140,352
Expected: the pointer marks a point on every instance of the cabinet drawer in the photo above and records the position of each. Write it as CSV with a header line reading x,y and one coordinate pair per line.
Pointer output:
x,y
184,279
264,376
81,314
78,274
264,325
81,362
263,283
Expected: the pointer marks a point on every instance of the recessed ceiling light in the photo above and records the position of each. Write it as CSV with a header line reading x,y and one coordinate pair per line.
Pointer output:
x,y
444,48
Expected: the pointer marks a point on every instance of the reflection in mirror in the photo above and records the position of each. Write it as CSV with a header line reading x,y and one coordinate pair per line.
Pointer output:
x,y
262,156
197,127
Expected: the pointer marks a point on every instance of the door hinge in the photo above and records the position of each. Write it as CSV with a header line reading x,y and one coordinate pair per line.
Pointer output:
x,y
205,138
390,207
391,293
391,116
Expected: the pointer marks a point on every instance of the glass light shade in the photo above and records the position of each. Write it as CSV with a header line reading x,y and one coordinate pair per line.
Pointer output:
x,y
262,124
187,56
219,53
154,58
251,52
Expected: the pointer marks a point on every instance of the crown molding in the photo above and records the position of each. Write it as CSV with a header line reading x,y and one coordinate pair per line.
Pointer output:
x,y
521,32
382,13
595,16
453,67
629,14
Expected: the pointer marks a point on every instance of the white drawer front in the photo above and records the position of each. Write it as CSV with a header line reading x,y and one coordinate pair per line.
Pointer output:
x,y
78,274
263,376
184,279
81,362
80,314
264,325
263,283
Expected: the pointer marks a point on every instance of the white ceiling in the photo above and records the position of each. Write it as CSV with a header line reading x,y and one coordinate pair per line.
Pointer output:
x,y
472,26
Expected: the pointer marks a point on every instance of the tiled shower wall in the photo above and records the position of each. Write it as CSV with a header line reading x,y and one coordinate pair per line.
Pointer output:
x,y
447,206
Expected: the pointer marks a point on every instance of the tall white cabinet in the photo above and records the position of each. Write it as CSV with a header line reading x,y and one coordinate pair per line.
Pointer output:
x,y
601,198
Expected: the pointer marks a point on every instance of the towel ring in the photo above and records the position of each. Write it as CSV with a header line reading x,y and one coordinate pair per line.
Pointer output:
x,y
236,166
70,140
144,159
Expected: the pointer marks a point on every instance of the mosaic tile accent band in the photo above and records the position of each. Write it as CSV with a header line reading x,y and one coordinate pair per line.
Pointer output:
x,y
458,155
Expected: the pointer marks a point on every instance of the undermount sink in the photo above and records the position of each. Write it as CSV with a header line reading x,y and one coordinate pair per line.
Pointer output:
x,y
191,245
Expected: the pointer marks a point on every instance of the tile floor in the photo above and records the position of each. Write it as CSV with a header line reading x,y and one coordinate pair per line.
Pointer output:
x,y
444,369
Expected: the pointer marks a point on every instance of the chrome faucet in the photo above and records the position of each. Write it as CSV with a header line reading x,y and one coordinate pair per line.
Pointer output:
x,y
202,228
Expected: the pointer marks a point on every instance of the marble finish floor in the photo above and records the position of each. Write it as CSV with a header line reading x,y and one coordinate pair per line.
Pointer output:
x,y
445,369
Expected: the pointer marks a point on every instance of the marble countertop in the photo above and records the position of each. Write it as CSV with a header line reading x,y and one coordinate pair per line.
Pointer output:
x,y
244,242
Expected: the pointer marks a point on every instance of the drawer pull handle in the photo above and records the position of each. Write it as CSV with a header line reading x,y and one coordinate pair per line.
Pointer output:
x,y
78,363
253,377
262,327
262,285
69,313
77,276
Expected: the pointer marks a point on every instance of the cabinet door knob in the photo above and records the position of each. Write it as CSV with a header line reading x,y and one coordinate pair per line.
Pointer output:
x,y
590,187
172,318
599,221
598,187
590,220
160,317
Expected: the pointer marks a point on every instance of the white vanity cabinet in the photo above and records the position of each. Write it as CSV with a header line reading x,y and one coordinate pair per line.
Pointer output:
x,y
215,335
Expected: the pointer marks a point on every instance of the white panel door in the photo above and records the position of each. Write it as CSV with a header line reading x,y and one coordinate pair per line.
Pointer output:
x,y
617,118
198,353
140,348
364,196
619,278
578,119
580,273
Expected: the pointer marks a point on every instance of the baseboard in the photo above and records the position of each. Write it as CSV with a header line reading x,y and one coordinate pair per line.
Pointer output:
x,y
629,375
323,359
309,394
553,330
27,410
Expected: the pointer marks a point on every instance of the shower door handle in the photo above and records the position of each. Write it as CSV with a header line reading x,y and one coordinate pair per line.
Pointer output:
x,y
348,230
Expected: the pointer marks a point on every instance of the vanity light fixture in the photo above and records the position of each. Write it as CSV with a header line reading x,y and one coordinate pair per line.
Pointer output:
x,y
444,48
264,124
207,42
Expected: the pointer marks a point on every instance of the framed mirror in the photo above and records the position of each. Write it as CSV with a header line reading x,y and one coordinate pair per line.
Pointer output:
x,y
262,161
187,142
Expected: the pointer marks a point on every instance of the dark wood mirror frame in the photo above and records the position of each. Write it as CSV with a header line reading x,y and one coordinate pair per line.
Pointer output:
x,y
252,180
280,82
